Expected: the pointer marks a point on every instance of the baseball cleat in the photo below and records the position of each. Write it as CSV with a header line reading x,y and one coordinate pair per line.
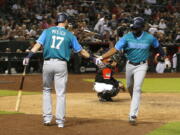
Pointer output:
x,y
105,100
47,123
132,120
61,125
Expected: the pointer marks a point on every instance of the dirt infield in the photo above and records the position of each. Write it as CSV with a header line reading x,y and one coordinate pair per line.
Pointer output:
x,y
85,114
31,125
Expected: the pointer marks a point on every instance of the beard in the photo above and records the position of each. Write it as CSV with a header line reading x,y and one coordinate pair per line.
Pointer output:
x,y
137,33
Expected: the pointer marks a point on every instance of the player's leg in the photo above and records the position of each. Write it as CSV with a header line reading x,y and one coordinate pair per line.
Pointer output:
x,y
47,83
139,74
60,87
103,90
129,78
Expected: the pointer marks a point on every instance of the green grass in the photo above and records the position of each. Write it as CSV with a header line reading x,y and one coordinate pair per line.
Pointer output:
x,y
5,112
168,85
168,129
14,93
157,85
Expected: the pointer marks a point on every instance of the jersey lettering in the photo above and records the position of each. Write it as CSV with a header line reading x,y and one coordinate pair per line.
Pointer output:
x,y
55,39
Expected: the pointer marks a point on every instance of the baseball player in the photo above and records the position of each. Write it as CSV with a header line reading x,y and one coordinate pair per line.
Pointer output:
x,y
105,84
136,45
57,43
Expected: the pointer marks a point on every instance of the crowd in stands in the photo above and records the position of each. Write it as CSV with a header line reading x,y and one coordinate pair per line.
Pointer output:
x,y
90,20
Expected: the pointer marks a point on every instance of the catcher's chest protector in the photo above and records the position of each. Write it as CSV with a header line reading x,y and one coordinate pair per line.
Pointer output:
x,y
106,72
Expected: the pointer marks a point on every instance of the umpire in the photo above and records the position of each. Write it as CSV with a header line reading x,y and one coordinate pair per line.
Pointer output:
x,y
57,43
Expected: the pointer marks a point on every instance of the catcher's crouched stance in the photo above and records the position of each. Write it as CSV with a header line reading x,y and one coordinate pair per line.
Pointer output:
x,y
105,84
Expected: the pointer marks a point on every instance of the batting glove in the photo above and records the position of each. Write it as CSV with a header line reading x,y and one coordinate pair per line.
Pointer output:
x,y
25,61
98,60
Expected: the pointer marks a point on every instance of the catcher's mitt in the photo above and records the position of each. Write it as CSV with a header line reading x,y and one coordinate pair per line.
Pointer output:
x,y
116,57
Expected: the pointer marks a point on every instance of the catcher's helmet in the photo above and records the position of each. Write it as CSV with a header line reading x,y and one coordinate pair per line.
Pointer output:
x,y
138,22
61,18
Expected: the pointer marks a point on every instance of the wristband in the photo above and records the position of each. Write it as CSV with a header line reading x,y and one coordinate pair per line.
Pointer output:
x,y
30,54
91,57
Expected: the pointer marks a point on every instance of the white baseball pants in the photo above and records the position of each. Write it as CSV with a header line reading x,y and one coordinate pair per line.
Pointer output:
x,y
134,80
54,70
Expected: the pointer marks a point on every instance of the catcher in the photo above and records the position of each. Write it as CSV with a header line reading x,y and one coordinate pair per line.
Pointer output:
x,y
105,84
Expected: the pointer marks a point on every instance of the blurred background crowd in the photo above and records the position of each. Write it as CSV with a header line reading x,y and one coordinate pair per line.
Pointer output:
x,y
25,19
90,20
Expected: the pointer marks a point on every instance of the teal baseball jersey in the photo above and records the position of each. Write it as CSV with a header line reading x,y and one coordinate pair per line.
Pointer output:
x,y
137,49
57,43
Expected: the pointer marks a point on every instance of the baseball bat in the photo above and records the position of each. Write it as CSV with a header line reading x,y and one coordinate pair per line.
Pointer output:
x,y
18,101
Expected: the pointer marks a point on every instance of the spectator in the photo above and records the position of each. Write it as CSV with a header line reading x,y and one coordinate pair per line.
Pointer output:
x,y
16,7
70,11
99,27
162,26
174,62
178,37
32,32
148,11
153,28
113,22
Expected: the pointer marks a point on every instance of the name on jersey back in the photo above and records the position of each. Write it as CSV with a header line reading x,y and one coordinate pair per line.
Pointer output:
x,y
59,32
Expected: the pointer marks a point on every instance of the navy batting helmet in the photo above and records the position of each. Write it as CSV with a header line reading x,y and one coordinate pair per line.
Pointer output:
x,y
138,22
62,17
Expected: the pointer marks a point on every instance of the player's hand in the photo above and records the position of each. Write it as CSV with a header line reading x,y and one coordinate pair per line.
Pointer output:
x,y
25,61
98,60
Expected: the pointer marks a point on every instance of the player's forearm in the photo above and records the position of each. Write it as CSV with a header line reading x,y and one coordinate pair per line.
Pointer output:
x,y
109,53
36,48
33,50
84,53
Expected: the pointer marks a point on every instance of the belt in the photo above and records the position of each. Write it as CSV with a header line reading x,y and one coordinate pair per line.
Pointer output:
x,y
135,64
54,59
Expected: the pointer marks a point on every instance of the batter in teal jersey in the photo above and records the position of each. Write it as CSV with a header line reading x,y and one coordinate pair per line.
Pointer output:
x,y
57,43
136,45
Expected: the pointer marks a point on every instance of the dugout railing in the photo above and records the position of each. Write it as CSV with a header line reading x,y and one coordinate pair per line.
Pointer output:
x,y
11,62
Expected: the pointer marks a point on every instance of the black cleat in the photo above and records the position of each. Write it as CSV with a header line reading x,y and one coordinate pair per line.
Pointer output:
x,y
105,100
47,124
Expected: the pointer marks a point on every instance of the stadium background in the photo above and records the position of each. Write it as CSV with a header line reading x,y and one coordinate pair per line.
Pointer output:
x,y
97,24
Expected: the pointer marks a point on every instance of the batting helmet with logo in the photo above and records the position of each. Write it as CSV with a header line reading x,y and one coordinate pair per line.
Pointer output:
x,y
62,17
138,22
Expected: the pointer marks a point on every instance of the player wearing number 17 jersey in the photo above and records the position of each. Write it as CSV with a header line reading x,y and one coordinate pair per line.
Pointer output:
x,y
57,43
